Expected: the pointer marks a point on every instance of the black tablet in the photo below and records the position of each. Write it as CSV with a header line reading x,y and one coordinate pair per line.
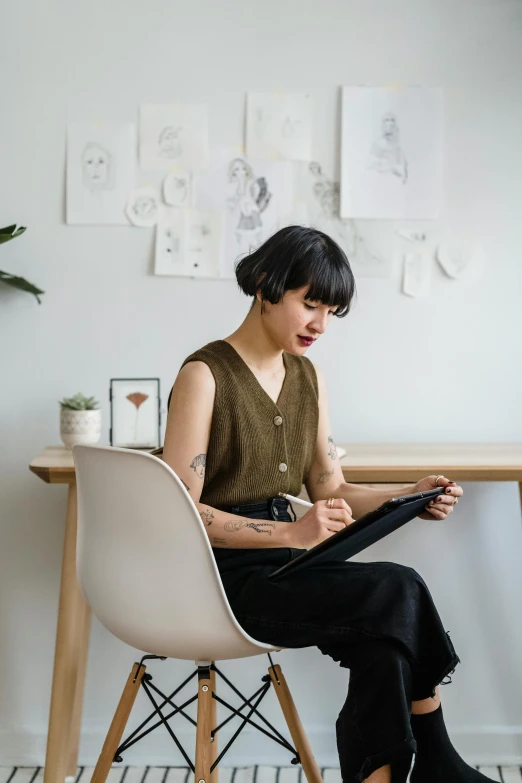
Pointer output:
x,y
363,532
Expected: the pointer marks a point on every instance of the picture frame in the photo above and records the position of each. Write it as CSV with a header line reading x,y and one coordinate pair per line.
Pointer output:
x,y
135,413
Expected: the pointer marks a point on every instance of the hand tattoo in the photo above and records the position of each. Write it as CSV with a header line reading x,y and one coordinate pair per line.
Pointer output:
x,y
207,516
332,451
233,525
198,465
323,478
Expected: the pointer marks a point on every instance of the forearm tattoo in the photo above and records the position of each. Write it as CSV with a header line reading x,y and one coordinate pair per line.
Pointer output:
x,y
323,478
234,525
198,465
207,516
332,451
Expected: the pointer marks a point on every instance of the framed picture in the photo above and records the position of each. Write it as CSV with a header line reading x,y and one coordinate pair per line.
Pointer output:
x,y
135,413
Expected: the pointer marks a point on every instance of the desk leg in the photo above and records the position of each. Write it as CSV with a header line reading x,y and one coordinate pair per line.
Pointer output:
x,y
84,630
70,656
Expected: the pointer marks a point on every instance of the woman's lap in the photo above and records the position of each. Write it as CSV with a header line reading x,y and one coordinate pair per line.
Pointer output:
x,y
336,605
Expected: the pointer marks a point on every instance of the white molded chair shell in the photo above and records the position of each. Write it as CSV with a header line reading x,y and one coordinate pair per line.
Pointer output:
x,y
144,560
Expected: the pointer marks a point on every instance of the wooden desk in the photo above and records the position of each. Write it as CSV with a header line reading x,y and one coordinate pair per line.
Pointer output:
x,y
363,464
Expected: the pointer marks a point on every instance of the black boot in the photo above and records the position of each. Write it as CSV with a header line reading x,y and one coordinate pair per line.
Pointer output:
x,y
436,760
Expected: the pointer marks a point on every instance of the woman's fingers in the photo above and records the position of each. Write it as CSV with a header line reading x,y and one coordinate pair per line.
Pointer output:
x,y
335,525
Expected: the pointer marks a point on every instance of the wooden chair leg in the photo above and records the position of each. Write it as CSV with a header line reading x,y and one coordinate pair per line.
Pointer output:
x,y
295,727
213,723
117,727
203,729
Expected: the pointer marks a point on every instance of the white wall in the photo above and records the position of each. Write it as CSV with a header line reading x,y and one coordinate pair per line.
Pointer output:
x,y
443,369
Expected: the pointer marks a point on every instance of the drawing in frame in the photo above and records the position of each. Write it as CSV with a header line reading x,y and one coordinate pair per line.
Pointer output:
x,y
135,413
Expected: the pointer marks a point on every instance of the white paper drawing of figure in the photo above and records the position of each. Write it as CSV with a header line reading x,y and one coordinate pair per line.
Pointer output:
x,y
144,208
391,153
279,126
97,167
177,189
386,155
249,199
173,134
170,143
251,196
101,170
323,207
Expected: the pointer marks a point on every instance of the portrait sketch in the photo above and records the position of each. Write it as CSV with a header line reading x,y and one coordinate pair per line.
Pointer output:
x,y
391,153
101,170
173,135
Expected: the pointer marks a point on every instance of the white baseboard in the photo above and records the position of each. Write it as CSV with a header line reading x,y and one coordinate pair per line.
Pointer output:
x,y
481,745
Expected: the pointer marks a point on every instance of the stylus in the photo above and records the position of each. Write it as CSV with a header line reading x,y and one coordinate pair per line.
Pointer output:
x,y
293,499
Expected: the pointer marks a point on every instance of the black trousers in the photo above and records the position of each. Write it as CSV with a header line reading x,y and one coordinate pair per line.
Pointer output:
x,y
376,619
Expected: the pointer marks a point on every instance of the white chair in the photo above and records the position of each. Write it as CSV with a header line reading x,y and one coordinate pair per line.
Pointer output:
x,y
146,567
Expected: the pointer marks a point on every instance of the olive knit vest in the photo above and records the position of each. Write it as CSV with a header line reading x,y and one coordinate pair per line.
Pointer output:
x,y
257,448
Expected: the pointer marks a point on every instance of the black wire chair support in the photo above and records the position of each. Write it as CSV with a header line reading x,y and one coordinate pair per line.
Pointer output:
x,y
164,702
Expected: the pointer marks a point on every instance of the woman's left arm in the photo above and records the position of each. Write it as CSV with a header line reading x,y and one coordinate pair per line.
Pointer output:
x,y
326,479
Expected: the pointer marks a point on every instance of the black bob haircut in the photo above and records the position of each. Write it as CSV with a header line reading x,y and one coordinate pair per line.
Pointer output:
x,y
295,257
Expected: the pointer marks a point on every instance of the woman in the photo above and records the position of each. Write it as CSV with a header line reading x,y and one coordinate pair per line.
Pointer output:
x,y
248,418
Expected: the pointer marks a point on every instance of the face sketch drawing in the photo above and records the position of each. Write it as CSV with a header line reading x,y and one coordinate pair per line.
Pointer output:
x,y
386,155
144,207
176,191
96,167
169,142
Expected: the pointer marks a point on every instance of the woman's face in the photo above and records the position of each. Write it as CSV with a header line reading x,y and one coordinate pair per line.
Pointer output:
x,y
294,318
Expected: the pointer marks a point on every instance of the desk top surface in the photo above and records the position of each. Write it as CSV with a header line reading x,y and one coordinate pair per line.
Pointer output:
x,y
370,462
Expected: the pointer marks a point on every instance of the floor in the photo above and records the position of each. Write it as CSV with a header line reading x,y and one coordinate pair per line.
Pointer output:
x,y
226,774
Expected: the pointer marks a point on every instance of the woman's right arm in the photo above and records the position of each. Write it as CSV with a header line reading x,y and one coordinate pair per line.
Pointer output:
x,y
186,442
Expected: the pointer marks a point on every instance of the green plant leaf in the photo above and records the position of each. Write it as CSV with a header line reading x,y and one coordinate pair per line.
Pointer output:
x,y
21,283
10,232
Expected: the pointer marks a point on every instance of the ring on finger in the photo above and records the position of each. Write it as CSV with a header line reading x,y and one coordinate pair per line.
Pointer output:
x,y
330,502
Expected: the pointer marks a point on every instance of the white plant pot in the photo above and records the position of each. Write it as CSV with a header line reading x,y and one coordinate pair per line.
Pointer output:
x,y
79,426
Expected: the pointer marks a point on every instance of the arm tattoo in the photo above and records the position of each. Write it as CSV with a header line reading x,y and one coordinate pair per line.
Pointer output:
x,y
198,465
219,541
234,525
323,478
207,516
332,451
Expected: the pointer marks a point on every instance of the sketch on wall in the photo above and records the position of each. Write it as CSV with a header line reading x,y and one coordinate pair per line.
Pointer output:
x,y
101,169
144,207
391,152
173,136
460,258
169,258
416,274
320,208
188,244
177,189
251,195
279,126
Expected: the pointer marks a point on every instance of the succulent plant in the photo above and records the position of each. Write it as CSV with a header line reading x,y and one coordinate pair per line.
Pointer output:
x,y
79,403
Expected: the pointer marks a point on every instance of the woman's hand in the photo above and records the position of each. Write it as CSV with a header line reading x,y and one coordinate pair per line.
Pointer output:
x,y
441,506
319,523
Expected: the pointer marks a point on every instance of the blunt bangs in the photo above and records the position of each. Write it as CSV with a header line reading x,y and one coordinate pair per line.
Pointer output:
x,y
295,257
